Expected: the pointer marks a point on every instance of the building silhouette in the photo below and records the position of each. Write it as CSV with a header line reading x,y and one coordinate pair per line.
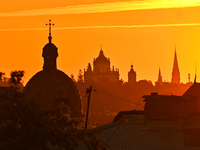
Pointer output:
x,y
50,83
175,71
159,82
112,95
131,75
101,70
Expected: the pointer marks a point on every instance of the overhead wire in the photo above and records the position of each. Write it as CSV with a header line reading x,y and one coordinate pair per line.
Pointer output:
x,y
138,104
117,97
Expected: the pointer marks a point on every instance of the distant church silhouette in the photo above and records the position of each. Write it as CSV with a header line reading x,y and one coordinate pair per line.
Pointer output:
x,y
132,76
175,73
51,83
101,70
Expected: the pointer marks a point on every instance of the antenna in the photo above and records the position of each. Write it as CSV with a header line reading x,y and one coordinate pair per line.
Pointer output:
x,y
195,78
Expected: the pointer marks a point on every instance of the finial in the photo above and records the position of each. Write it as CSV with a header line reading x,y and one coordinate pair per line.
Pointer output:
x,y
50,37
101,51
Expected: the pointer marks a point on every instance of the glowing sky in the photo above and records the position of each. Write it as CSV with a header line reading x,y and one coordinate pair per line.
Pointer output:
x,y
143,33
106,7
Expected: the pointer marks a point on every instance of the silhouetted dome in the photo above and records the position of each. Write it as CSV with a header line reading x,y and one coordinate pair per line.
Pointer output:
x,y
50,53
101,58
51,83
46,85
50,50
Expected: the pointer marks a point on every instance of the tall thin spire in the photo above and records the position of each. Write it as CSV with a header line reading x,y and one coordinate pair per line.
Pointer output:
x,y
50,37
159,77
175,71
159,82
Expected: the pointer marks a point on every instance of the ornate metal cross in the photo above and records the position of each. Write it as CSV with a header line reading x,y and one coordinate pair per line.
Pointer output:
x,y
50,24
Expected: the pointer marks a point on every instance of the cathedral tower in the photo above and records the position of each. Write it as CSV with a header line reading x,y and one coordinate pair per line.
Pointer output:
x,y
131,75
175,71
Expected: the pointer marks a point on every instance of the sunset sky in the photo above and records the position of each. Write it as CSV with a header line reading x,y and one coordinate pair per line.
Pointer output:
x,y
139,32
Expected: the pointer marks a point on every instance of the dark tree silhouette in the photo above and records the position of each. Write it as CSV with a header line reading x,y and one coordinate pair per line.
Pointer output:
x,y
25,126
72,77
1,76
16,76
80,76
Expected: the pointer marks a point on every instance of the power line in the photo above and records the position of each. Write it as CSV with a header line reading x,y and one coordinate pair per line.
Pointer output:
x,y
117,97
138,104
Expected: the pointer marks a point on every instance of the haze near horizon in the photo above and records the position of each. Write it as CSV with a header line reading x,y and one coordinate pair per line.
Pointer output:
x,y
142,33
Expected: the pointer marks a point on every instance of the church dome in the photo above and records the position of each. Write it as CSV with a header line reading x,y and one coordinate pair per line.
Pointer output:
x,y
50,46
46,85
51,83
101,58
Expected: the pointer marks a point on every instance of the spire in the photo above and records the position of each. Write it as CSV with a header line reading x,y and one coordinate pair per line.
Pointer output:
x,y
175,71
159,76
50,37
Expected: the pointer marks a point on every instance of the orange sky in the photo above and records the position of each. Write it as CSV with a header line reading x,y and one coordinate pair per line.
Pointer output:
x,y
142,33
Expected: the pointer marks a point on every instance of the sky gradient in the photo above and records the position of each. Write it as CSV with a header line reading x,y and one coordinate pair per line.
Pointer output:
x,y
143,33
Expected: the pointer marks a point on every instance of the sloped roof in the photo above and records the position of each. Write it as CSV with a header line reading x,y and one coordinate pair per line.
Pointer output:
x,y
194,90
130,133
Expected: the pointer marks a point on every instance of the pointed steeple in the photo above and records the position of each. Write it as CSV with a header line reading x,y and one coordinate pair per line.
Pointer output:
x,y
159,77
175,71
159,82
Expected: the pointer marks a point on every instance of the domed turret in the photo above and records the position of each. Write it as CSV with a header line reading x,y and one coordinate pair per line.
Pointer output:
x,y
101,58
101,63
50,54
51,83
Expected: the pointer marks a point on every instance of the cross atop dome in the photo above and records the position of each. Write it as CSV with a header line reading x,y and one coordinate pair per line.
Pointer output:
x,y
49,24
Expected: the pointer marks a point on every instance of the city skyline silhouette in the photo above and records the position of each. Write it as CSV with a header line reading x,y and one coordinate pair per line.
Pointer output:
x,y
145,38
108,74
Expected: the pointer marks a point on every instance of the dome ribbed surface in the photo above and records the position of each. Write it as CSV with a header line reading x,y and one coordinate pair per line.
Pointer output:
x,y
46,85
